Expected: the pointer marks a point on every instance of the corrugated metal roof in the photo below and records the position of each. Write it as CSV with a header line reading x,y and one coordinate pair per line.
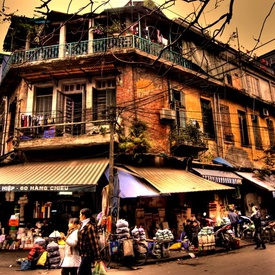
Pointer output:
x,y
72,172
267,184
223,177
168,180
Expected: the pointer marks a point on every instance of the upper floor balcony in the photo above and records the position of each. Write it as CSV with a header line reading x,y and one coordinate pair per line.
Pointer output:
x,y
46,131
101,45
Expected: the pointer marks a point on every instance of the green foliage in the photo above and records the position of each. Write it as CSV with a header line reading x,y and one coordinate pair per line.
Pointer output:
x,y
136,142
190,134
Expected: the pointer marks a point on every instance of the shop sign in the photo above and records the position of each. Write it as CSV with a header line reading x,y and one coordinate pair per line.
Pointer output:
x,y
54,188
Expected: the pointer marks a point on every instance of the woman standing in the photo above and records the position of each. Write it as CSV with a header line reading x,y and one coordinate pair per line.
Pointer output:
x,y
71,259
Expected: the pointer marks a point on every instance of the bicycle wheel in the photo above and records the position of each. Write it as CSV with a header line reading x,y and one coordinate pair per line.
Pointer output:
x,y
105,255
141,252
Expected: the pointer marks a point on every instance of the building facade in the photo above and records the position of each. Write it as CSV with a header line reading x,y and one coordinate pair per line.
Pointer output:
x,y
78,82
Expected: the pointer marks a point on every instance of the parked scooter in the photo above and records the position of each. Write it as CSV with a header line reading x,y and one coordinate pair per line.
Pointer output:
x,y
268,230
224,236
246,227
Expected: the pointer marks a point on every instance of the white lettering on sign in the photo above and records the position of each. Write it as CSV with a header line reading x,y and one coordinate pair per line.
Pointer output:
x,y
23,188
7,188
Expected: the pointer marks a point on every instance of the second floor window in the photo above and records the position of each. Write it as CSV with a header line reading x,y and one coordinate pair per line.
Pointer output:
x,y
71,108
243,128
256,131
104,98
226,123
207,118
43,101
270,129
178,104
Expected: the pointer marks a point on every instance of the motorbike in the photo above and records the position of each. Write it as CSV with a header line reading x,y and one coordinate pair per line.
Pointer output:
x,y
268,229
246,227
224,236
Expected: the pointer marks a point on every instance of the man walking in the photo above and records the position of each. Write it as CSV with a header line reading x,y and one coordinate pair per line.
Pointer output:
x,y
87,243
256,218
234,218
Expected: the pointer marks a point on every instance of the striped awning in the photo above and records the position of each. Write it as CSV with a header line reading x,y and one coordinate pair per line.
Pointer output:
x,y
168,180
223,177
71,175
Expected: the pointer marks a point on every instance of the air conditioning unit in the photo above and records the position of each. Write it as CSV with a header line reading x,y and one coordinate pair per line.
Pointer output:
x,y
265,112
167,114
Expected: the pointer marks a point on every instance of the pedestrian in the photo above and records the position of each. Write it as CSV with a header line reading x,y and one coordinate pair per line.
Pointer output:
x,y
71,260
256,218
195,228
234,219
87,243
187,229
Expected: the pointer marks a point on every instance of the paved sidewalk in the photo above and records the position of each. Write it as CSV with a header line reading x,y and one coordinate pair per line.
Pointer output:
x,y
9,257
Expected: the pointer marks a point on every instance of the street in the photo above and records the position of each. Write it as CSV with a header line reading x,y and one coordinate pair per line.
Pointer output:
x,y
246,260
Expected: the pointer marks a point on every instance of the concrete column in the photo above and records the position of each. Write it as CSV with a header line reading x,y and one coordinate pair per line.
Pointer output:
x,y
62,42
91,35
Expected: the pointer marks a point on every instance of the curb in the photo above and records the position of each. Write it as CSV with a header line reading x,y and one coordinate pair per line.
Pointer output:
x,y
196,254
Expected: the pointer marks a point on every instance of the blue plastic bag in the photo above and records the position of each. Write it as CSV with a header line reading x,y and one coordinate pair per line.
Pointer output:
x,y
25,265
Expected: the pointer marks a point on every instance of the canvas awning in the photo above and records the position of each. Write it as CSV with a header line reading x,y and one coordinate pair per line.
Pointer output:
x,y
267,183
223,177
71,175
132,187
168,180
222,161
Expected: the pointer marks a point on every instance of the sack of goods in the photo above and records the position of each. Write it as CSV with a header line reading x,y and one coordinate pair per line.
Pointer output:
x,y
164,235
122,229
53,255
138,234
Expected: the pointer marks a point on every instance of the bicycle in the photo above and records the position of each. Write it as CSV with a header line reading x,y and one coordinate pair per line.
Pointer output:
x,y
112,251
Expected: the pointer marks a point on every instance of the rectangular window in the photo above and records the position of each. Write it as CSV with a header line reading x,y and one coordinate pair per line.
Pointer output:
x,y
256,131
270,129
273,91
243,128
207,118
104,97
253,85
178,104
226,123
70,109
43,102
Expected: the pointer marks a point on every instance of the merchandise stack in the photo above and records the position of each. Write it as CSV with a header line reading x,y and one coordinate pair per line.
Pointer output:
x,y
162,240
206,238
53,255
122,230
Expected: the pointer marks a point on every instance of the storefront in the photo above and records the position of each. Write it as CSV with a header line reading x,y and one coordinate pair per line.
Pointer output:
x,y
51,191
258,191
181,194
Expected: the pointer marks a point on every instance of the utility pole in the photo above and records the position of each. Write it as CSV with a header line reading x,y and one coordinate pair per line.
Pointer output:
x,y
111,163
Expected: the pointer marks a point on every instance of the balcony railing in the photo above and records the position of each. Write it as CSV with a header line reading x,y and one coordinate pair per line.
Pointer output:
x,y
99,46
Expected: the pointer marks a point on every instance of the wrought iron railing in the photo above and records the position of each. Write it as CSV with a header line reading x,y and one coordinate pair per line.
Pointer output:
x,y
99,46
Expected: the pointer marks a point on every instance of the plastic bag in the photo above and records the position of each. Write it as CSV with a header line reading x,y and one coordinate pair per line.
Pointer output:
x,y
42,259
175,246
100,268
25,265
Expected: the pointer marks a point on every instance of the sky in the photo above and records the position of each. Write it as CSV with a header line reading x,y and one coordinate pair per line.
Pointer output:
x,y
252,20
